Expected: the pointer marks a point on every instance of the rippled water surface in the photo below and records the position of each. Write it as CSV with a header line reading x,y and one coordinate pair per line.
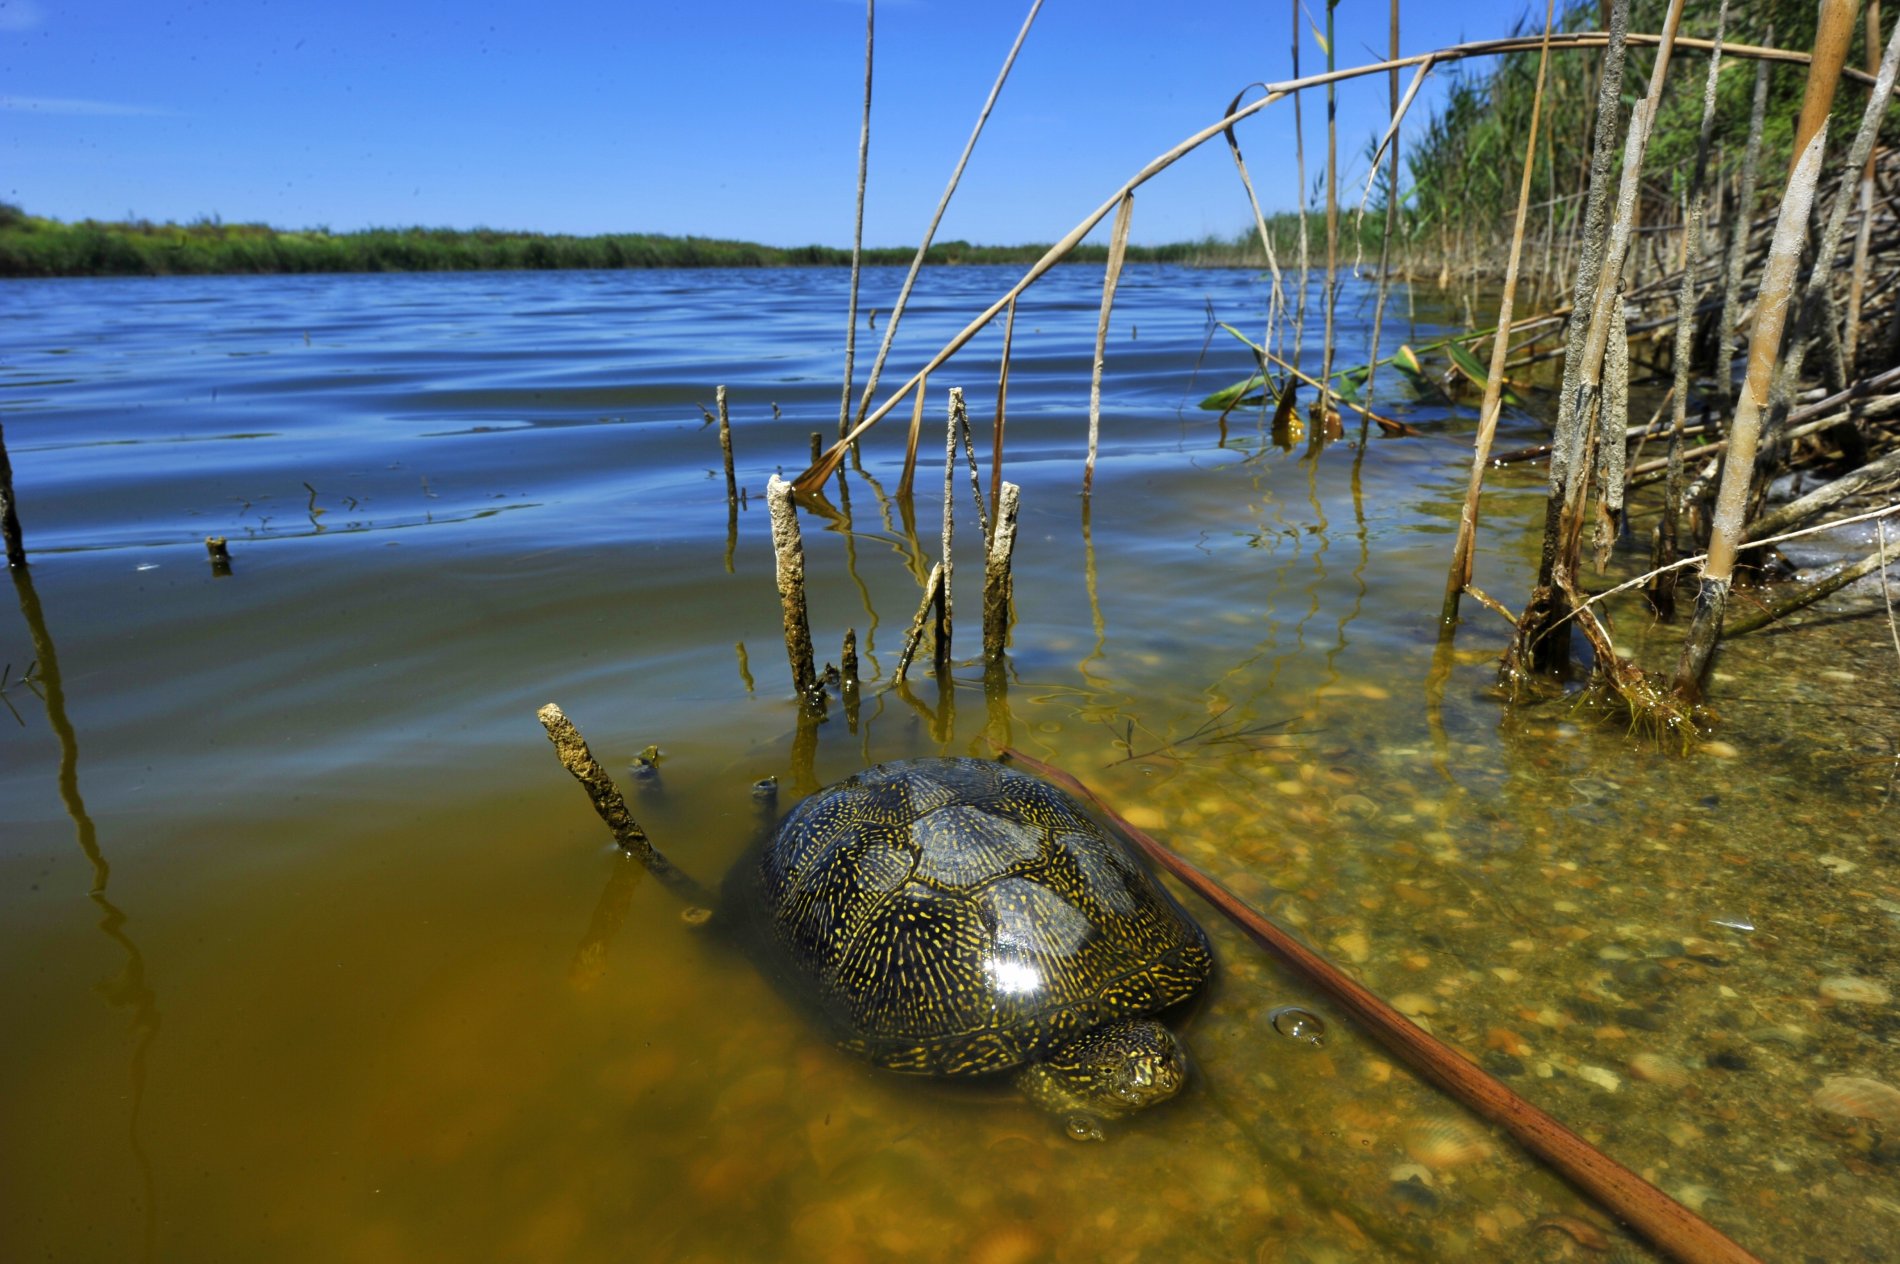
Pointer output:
x,y
310,950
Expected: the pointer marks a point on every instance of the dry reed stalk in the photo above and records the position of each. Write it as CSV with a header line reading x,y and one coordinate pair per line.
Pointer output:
x,y
919,621
1612,448
1585,466
943,203
725,445
1825,497
1771,311
1872,515
788,551
958,420
1886,590
1666,1223
1492,404
1667,543
1117,252
1647,430
1399,107
1728,314
1831,38
814,478
1786,603
1850,339
1322,403
996,572
1883,405
1533,648
1814,316
1276,300
1668,531
1547,279
976,480
857,231
1299,182
1589,267
904,480
1391,213
1623,223
1002,408
9,514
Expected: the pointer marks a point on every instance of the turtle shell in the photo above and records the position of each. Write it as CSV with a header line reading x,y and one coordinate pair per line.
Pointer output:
x,y
956,917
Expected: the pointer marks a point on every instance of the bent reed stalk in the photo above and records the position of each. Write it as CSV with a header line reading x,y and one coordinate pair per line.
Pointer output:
x,y
1492,404
943,203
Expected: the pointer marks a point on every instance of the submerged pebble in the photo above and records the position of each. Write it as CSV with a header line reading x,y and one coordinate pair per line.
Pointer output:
x,y
1656,1068
1446,1143
1602,1077
1857,1097
1855,990
1144,817
1354,946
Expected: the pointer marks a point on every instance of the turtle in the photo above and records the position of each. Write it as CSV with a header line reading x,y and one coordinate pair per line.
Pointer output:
x,y
956,917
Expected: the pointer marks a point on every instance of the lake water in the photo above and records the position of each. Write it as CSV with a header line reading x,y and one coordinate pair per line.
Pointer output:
x,y
310,950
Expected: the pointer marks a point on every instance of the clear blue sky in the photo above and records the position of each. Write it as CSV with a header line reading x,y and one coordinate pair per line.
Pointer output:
x,y
735,119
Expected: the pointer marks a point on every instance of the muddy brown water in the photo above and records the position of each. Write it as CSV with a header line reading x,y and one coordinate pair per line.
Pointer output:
x,y
312,951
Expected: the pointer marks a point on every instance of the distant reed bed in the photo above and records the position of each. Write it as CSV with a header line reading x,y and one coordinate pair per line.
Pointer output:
x,y
33,246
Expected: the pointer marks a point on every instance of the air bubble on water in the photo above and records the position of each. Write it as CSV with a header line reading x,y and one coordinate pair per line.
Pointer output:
x,y
1299,1024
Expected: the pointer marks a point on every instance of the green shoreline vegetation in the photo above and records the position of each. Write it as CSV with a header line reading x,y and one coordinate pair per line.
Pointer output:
x,y
33,246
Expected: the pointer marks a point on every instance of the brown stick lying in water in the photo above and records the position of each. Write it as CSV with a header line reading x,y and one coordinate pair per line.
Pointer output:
x,y
1666,1223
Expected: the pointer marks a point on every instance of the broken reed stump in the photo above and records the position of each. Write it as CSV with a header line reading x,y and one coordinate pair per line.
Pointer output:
x,y
725,446
789,552
996,576
218,549
571,748
1771,311
9,517
920,620
848,670
848,684
959,419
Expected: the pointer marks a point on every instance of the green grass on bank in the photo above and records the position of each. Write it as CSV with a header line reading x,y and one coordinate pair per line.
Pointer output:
x,y
32,246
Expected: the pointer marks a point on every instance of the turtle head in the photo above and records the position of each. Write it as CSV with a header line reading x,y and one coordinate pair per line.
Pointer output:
x,y
1106,1072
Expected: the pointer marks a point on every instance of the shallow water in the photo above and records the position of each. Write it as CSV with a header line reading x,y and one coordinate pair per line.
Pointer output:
x,y
310,948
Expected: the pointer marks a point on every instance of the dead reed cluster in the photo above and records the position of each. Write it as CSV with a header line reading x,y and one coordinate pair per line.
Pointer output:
x,y
1717,273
